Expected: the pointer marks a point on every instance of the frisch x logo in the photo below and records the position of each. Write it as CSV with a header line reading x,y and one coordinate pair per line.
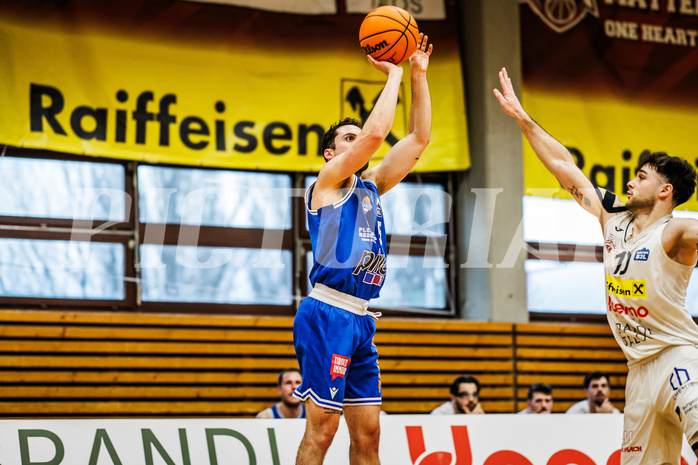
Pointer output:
x,y
562,15
358,99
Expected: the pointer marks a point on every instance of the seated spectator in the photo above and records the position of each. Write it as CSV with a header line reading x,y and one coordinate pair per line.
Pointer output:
x,y
289,407
539,399
598,390
465,398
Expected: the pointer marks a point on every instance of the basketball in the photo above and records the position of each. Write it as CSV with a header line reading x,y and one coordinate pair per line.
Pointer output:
x,y
389,33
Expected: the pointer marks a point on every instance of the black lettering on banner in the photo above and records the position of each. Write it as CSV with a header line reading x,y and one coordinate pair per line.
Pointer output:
x,y
239,131
269,137
92,122
610,174
220,128
578,157
303,131
193,125
99,115
37,112
120,130
142,116
165,118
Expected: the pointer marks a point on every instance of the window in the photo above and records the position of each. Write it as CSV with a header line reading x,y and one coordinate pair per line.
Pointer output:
x,y
565,272
80,231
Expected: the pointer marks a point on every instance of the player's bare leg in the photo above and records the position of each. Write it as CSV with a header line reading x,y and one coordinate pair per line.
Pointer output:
x,y
364,431
320,428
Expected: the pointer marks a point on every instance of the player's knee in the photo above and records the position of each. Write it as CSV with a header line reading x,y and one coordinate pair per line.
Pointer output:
x,y
366,437
322,433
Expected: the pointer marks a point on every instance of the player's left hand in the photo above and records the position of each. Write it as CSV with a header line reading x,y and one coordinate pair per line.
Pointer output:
x,y
419,61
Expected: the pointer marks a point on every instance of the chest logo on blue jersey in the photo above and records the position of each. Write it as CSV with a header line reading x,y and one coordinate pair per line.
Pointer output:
x,y
366,204
379,210
374,265
366,234
642,255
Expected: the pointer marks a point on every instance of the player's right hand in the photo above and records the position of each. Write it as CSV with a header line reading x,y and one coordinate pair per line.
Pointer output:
x,y
384,67
507,97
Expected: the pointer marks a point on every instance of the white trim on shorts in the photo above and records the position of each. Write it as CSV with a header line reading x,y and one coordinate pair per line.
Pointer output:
x,y
336,405
341,300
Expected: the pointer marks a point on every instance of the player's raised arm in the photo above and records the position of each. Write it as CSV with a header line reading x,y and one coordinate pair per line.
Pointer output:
x,y
556,158
404,155
343,165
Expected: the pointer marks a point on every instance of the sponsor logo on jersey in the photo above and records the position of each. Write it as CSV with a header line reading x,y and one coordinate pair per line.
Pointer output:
x,y
611,243
631,288
366,204
379,209
366,234
372,278
642,255
374,266
627,437
678,378
634,450
640,312
340,364
333,391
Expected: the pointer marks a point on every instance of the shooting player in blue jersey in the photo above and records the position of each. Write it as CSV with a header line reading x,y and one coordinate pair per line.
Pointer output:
x,y
333,330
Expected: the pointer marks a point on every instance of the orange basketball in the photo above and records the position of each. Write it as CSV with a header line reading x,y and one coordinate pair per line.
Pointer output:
x,y
389,33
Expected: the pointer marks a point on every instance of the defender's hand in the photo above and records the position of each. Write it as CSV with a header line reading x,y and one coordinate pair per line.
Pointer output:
x,y
507,98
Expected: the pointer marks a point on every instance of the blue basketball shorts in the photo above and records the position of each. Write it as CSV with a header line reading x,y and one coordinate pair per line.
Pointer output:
x,y
336,355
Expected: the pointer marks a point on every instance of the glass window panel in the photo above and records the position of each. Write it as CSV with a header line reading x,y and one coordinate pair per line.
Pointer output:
x,y
62,189
61,269
216,275
575,287
411,282
214,198
413,209
559,221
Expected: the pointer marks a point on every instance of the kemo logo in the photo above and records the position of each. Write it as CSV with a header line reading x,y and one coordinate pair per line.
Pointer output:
x,y
563,15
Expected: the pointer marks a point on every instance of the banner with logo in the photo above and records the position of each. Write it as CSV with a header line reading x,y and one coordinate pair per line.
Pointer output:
x,y
502,439
207,85
610,79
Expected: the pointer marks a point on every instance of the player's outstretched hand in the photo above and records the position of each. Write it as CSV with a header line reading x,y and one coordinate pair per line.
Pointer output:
x,y
419,61
507,98
384,67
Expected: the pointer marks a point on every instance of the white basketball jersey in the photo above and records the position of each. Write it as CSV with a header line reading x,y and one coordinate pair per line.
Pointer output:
x,y
645,290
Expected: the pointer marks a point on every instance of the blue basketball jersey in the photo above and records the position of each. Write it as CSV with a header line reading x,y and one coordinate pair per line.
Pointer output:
x,y
349,243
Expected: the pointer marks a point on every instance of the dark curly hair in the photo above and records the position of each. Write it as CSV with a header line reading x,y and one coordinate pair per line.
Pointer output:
x,y
331,133
678,172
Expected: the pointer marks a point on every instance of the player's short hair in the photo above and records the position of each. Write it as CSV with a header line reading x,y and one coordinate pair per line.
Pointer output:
x,y
595,375
331,133
280,380
464,379
678,172
543,388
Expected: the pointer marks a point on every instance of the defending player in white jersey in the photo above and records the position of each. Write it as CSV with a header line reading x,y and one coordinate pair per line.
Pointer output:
x,y
648,260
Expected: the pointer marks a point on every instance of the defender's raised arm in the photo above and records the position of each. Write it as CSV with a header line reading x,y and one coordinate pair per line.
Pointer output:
x,y
556,158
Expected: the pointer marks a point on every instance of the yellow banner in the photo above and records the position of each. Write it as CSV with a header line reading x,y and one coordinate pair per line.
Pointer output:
x,y
606,137
609,80
205,85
